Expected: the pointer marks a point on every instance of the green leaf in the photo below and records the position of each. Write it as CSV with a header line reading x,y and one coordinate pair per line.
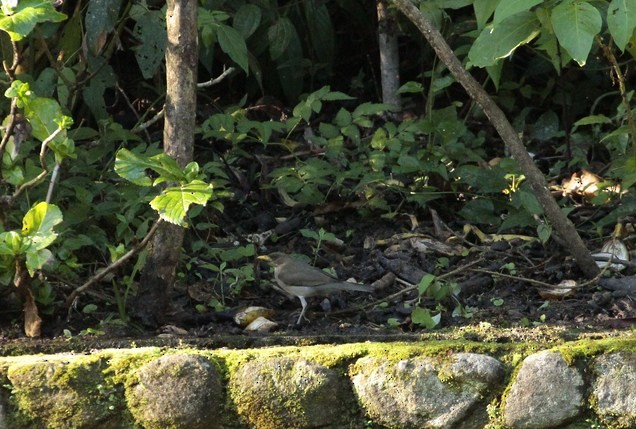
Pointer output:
x,y
150,29
63,149
38,224
44,114
499,41
320,30
511,7
483,11
593,120
336,96
247,19
425,282
11,243
134,168
36,260
233,44
422,317
544,231
173,203
575,24
621,21
20,20
101,17
411,88
368,109
279,36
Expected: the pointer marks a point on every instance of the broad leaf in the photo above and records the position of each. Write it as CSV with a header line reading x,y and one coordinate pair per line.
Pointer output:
x,y
247,19
19,21
499,41
621,21
279,36
150,29
423,318
575,24
483,10
233,44
173,203
36,260
101,17
38,224
135,168
512,7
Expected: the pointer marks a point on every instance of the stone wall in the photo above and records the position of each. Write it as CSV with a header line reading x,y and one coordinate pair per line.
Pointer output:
x,y
364,385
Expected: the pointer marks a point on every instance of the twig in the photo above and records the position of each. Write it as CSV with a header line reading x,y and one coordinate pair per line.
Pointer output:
x,y
45,169
411,287
145,125
119,262
537,282
9,130
54,176
216,80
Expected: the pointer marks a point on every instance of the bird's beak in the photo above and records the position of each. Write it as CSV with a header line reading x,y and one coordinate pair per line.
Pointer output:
x,y
264,258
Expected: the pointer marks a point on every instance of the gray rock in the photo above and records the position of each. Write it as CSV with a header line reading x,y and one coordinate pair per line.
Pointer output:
x,y
426,392
290,393
64,394
545,394
614,388
176,391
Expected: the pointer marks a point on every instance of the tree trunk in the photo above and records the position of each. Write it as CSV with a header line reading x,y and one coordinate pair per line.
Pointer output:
x,y
164,250
389,56
563,227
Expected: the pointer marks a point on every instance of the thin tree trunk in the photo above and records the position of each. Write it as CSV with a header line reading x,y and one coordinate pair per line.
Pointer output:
x,y
158,275
389,56
563,227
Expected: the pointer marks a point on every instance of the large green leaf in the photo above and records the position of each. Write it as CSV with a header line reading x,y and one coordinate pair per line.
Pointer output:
x,y
20,20
173,203
233,44
499,41
621,21
36,260
134,168
45,116
320,31
101,17
38,224
483,10
512,7
150,29
575,24
247,19
279,36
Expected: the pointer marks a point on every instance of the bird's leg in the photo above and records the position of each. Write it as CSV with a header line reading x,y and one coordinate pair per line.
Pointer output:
x,y
302,313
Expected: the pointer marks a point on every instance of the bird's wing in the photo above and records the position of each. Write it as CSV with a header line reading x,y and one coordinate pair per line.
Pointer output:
x,y
298,273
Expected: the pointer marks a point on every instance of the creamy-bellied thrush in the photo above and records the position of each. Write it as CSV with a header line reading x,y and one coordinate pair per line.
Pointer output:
x,y
300,279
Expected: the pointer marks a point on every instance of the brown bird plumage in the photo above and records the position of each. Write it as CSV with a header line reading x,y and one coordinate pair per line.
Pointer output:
x,y
300,279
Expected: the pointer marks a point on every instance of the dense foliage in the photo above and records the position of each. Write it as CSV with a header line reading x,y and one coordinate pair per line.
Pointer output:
x,y
288,112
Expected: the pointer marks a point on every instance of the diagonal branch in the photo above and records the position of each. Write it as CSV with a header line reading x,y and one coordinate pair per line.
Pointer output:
x,y
563,227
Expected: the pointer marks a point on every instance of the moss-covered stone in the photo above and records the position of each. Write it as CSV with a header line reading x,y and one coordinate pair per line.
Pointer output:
x,y
291,393
176,391
427,392
62,394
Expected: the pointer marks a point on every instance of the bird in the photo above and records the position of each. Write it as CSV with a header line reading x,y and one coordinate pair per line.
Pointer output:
x,y
299,279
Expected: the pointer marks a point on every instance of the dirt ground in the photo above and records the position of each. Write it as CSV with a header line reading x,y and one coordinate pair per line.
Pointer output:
x,y
502,281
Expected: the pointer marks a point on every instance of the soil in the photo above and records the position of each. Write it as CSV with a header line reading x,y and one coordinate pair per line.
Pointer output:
x,y
499,281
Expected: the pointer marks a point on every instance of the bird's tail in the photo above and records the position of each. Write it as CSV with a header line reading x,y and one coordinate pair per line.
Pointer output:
x,y
348,286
